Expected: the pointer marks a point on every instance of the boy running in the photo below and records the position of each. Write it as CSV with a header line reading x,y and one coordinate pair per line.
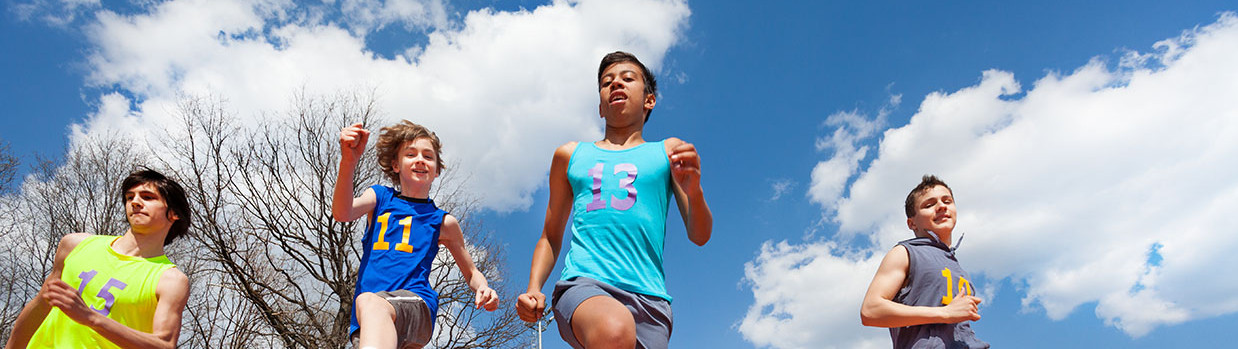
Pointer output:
x,y
920,292
616,191
395,305
115,291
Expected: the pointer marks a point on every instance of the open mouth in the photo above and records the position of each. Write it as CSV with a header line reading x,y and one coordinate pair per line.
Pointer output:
x,y
618,96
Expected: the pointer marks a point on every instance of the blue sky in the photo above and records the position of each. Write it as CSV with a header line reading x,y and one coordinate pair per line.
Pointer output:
x,y
1087,142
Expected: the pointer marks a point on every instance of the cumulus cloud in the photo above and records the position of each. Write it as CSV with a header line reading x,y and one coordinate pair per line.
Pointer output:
x,y
1105,185
502,89
803,298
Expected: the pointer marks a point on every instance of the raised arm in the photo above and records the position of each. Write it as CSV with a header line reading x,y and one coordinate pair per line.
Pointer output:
x,y
880,310
344,207
686,171
35,311
532,303
452,237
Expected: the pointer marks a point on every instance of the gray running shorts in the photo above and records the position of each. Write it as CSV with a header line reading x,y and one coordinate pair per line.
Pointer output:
x,y
413,324
652,314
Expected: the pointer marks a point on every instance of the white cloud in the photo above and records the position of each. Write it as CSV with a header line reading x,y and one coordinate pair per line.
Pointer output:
x,y
780,186
803,298
502,89
368,15
1072,189
57,13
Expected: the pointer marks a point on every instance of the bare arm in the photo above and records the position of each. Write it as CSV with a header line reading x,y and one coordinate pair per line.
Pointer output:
x,y
689,196
344,207
880,310
35,311
559,208
452,237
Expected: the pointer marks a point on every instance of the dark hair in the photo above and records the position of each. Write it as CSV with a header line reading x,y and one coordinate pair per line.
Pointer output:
x,y
392,137
927,182
173,196
651,84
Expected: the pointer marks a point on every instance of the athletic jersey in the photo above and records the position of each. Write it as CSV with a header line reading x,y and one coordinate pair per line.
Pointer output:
x,y
934,278
118,286
619,216
400,242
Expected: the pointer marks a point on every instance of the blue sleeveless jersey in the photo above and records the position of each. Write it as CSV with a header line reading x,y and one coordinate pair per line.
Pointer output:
x,y
934,279
619,216
400,242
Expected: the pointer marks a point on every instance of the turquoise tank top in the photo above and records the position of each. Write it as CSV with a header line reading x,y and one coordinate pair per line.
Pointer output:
x,y
620,200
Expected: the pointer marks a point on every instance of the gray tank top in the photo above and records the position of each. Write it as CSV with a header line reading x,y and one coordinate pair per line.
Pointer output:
x,y
934,278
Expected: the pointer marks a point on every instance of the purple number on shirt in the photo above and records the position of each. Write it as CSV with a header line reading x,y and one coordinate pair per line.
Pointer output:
x,y
625,183
597,203
105,293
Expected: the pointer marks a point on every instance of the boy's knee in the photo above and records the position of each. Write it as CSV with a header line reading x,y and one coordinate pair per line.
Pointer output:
x,y
369,303
612,332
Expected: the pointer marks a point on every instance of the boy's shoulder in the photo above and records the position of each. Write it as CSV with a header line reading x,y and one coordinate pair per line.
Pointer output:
x,y
566,148
70,241
564,152
672,142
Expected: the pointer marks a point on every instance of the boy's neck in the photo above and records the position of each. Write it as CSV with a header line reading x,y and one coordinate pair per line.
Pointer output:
x,y
944,237
620,138
134,244
415,191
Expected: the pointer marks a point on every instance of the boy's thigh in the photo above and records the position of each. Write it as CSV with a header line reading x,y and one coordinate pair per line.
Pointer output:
x,y
651,315
413,323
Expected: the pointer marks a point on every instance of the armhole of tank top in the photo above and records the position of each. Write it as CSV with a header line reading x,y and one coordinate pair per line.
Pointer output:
x,y
571,159
910,267
80,244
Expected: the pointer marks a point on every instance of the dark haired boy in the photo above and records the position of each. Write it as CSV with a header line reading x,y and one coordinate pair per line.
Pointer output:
x,y
616,191
115,291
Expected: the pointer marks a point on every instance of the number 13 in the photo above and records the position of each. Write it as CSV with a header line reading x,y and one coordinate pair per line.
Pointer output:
x,y
625,183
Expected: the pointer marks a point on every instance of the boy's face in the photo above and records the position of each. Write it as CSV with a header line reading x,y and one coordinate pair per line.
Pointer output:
x,y
416,162
622,92
934,210
146,210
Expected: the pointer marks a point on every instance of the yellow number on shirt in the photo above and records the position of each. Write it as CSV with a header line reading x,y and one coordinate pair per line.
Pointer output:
x,y
407,222
403,246
964,288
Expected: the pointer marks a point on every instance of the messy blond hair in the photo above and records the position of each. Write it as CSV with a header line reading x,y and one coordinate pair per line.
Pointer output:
x,y
392,137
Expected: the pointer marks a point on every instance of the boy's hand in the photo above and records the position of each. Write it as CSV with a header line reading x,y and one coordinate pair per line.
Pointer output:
x,y
352,141
963,308
486,298
530,306
59,294
686,167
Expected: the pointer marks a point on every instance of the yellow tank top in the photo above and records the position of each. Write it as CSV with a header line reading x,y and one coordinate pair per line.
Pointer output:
x,y
118,286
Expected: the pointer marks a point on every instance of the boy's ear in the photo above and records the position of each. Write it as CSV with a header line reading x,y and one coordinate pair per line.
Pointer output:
x,y
911,225
650,101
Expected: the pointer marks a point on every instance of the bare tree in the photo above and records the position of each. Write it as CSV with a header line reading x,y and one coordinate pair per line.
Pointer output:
x,y
8,167
284,268
268,266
